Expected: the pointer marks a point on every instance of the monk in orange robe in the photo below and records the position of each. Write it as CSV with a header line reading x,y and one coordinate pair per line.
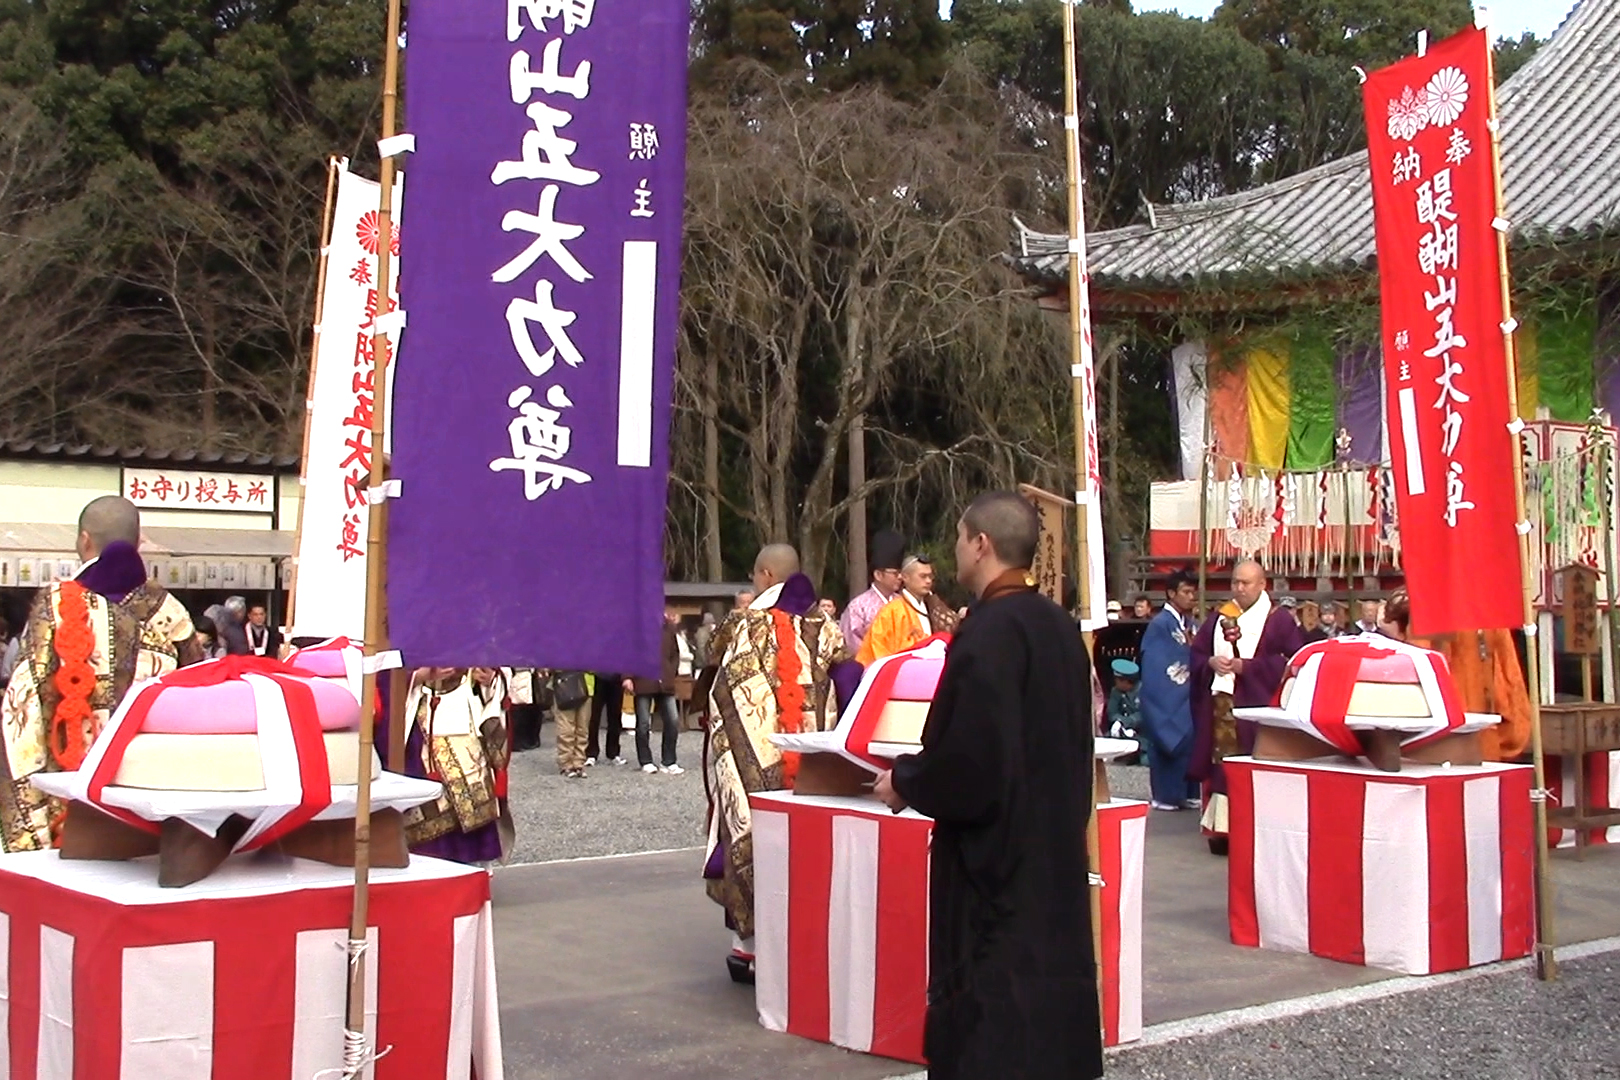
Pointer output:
x,y
1485,667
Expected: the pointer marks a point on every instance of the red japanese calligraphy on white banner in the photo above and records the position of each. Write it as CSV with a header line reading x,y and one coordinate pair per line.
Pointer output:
x,y
1434,205
329,588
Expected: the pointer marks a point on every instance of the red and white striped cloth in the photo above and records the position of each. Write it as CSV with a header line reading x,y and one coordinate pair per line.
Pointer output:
x,y
1422,871
841,921
242,976
1602,790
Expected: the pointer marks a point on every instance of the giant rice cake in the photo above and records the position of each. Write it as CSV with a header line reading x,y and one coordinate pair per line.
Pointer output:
x,y
166,762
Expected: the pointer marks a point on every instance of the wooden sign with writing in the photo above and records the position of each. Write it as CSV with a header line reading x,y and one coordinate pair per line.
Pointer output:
x,y
1580,610
1048,568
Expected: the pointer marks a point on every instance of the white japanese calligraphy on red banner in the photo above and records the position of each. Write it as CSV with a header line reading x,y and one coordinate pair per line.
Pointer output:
x,y
180,489
1445,364
329,586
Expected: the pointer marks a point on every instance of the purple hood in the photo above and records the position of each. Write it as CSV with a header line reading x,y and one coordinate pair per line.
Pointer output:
x,y
118,572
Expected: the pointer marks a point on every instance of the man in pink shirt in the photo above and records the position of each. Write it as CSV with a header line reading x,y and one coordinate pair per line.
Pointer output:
x,y
888,548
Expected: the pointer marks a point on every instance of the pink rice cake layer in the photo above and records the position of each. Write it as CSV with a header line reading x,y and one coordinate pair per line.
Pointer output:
x,y
1393,668
321,663
229,709
917,680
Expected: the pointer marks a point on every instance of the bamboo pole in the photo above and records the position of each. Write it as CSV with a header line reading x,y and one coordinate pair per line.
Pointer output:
x,y
1546,961
1203,505
309,394
1606,494
1080,372
356,1053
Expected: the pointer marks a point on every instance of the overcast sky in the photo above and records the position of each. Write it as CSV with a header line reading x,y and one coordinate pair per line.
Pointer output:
x,y
1509,18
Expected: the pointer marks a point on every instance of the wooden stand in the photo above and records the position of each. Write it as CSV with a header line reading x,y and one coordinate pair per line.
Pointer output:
x,y
1382,749
1575,731
187,855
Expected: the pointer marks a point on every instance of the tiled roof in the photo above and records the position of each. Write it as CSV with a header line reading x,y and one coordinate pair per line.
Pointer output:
x,y
139,456
1560,162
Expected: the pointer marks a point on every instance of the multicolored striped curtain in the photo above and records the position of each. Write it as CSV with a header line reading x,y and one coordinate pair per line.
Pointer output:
x,y
1268,404
1278,402
1311,426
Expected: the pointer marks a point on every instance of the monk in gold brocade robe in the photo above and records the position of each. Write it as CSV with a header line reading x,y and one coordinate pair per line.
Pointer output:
x,y
457,736
757,676
86,643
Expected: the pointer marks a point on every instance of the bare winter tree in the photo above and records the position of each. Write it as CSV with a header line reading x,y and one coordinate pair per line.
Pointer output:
x,y
53,299
842,258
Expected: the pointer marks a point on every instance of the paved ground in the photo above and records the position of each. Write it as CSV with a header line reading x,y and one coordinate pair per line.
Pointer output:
x,y
614,967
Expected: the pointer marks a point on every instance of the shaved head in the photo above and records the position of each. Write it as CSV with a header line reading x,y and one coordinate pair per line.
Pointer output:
x,y
774,565
997,533
1011,523
106,520
1248,582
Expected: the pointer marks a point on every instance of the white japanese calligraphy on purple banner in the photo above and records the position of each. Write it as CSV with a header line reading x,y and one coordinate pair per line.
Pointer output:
x,y
541,287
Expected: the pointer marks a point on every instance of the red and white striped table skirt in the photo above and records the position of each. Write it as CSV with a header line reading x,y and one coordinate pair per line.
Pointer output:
x,y
1426,870
841,921
1602,790
242,976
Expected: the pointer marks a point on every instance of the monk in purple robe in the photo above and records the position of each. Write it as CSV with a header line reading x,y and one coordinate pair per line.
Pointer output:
x,y
1238,661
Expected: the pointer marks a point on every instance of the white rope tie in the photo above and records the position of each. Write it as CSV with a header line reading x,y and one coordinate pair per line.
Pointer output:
x,y
1541,795
357,1054
1096,880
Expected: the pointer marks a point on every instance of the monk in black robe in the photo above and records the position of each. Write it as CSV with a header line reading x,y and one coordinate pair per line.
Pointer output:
x,y
1005,772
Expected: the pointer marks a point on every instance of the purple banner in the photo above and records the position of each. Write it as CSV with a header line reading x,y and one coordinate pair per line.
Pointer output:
x,y
1360,404
540,277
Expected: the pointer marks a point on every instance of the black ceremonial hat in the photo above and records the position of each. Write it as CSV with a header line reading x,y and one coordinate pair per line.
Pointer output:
x,y
888,548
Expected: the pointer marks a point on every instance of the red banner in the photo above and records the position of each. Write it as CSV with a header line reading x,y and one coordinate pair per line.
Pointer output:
x,y
1446,378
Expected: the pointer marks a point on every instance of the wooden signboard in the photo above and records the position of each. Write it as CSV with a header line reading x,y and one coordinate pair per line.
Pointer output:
x,y
1580,610
1048,568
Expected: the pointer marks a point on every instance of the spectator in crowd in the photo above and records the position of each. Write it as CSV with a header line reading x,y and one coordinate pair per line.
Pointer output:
x,y
700,640
208,637
1124,705
659,694
1310,622
8,651
1333,618
1142,607
742,600
1114,610
522,708
262,640
1290,605
228,619
572,695
829,607
1371,616
607,705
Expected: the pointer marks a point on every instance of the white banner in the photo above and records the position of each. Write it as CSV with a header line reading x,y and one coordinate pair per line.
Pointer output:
x,y
329,590
178,489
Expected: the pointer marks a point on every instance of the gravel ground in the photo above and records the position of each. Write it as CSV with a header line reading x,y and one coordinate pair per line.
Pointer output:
x,y
616,809
1502,1026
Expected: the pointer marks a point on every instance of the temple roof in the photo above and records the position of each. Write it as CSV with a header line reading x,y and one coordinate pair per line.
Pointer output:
x,y
1560,161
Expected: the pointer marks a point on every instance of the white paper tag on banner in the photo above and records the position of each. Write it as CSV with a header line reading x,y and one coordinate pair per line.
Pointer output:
x,y
388,489
390,323
404,143
383,661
